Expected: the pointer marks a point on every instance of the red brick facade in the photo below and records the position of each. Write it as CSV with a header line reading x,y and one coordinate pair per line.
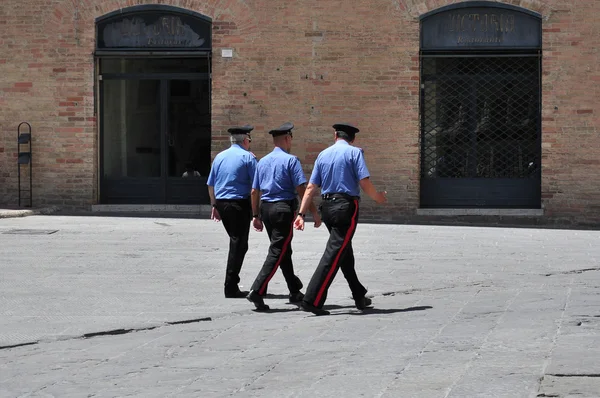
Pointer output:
x,y
310,62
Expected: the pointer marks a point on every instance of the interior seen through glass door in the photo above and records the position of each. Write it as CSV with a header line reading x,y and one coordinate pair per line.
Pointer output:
x,y
188,131
131,128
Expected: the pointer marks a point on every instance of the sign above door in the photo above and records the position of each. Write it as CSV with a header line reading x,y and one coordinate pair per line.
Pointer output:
x,y
480,25
153,27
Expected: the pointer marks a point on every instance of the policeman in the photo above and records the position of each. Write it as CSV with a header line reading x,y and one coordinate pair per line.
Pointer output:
x,y
229,184
340,171
277,181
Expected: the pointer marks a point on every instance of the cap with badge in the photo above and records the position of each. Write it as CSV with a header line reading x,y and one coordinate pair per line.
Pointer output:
x,y
346,128
241,129
285,128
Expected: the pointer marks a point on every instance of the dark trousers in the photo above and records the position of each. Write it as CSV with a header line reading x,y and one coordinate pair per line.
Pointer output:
x,y
278,219
340,215
236,216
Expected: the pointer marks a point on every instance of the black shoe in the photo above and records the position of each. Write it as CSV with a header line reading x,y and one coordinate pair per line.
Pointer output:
x,y
362,303
311,308
296,297
235,293
257,300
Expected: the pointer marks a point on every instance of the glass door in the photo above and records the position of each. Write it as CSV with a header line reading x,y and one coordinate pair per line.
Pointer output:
x,y
188,141
131,141
155,135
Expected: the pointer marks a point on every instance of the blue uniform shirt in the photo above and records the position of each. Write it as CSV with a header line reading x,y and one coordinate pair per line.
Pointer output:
x,y
339,168
277,176
232,172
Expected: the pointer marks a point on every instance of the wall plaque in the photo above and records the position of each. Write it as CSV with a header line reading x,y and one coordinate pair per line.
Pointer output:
x,y
475,25
154,30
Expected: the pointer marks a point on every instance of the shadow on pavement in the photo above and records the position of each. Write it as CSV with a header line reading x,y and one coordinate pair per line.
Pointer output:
x,y
336,307
276,310
374,311
275,296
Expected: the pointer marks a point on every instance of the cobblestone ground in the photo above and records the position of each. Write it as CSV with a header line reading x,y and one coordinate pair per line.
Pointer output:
x,y
105,307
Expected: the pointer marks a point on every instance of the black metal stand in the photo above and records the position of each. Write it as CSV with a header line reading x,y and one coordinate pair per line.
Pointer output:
x,y
24,158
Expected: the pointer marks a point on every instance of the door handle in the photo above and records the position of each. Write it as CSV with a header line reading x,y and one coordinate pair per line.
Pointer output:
x,y
170,140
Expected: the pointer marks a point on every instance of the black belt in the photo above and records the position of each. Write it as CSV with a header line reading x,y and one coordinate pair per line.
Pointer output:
x,y
329,196
233,200
289,201
293,203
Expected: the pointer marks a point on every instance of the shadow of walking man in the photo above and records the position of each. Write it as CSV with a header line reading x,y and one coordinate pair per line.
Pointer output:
x,y
375,311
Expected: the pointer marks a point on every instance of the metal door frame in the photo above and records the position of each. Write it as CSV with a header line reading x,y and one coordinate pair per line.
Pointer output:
x,y
164,82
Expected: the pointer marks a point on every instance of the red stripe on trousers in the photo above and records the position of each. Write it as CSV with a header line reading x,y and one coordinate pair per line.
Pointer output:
x,y
337,258
262,289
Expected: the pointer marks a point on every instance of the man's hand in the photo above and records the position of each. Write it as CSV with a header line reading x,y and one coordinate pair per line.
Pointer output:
x,y
257,224
317,219
214,215
369,188
381,197
299,223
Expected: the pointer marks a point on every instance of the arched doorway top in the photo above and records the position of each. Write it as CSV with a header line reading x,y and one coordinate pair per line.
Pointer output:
x,y
156,27
152,8
482,25
479,4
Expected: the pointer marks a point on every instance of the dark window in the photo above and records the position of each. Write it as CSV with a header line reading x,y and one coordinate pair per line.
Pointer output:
x,y
480,106
481,117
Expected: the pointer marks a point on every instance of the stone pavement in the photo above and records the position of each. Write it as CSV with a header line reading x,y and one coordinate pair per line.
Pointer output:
x,y
106,307
23,212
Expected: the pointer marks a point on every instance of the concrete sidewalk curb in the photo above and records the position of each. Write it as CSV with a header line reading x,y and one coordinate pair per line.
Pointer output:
x,y
12,213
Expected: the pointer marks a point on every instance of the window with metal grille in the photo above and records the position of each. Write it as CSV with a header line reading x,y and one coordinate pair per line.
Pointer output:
x,y
480,130
480,117
480,106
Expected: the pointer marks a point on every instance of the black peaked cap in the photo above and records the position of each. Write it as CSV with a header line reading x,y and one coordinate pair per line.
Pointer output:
x,y
241,129
346,128
283,129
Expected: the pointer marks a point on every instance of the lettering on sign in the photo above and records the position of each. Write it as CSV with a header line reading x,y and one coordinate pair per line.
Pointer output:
x,y
164,31
477,27
480,28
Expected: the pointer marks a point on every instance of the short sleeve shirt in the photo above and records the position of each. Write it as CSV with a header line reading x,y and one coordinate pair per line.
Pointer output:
x,y
339,168
232,172
277,176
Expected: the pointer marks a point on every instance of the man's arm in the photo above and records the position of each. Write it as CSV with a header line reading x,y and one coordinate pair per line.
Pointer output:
x,y
255,195
368,187
306,204
214,213
307,196
312,208
256,221
301,189
211,194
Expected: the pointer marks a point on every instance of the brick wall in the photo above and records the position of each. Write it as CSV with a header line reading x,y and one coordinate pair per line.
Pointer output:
x,y
311,62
